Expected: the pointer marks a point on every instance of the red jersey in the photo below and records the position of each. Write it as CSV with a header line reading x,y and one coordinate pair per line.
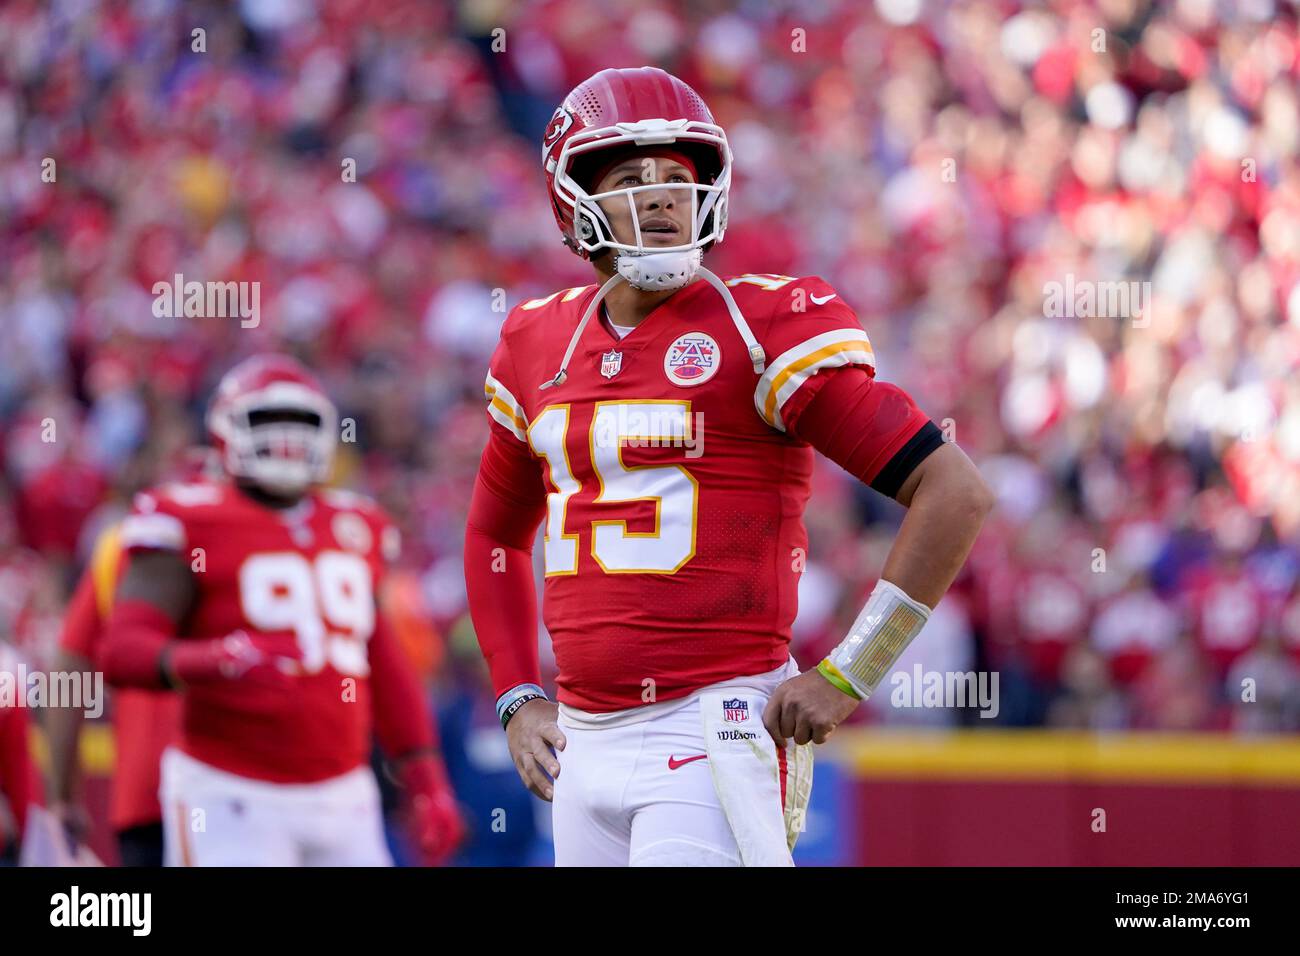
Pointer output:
x,y
20,778
1230,610
1288,624
308,574
144,722
675,483
1053,613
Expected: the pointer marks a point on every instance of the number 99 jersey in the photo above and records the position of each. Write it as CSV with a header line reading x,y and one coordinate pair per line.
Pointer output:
x,y
674,487
308,576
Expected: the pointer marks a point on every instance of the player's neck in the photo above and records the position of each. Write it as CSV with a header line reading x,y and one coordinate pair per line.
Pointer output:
x,y
278,502
628,307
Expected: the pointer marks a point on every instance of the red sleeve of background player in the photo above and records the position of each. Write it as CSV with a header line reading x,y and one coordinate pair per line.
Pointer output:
x,y
873,430
508,503
19,781
135,632
403,722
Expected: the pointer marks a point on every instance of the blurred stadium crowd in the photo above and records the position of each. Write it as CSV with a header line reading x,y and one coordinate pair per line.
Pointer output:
x,y
939,165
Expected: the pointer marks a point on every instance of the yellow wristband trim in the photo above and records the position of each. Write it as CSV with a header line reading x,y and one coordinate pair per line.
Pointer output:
x,y
833,674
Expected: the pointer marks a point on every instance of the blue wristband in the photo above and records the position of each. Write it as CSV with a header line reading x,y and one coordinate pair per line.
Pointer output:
x,y
510,702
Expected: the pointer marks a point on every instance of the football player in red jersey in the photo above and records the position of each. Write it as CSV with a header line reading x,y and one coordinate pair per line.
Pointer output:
x,y
662,425
145,722
256,596
20,780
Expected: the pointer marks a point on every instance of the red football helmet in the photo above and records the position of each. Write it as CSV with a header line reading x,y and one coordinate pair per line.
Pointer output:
x,y
623,109
273,425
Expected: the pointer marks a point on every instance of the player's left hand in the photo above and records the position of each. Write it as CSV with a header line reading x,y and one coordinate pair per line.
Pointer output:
x,y
75,821
432,817
807,708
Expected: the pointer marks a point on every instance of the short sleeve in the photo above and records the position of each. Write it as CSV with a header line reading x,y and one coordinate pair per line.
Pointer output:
x,y
154,524
505,411
812,330
106,567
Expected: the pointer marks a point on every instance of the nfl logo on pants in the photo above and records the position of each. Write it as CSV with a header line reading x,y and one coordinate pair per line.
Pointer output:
x,y
735,710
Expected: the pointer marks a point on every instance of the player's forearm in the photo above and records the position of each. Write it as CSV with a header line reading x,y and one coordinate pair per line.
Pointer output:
x,y
505,510
136,638
503,607
947,503
403,723
63,731
141,649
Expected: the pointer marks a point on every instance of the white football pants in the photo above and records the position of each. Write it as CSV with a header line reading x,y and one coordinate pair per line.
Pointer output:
x,y
215,818
692,782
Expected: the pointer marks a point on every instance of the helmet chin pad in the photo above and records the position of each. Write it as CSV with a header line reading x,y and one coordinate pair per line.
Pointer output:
x,y
283,458
659,271
280,476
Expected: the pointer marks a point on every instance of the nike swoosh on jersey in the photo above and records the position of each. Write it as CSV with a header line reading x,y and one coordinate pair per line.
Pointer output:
x,y
674,763
823,300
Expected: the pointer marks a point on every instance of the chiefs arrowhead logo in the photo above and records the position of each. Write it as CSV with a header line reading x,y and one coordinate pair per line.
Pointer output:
x,y
559,125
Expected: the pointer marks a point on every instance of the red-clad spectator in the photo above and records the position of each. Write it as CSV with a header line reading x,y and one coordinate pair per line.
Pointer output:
x,y
1288,622
1052,616
1228,610
1132,628
20,783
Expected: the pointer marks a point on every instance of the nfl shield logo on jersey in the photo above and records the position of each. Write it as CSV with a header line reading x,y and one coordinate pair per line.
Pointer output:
x,y
610,363
735,711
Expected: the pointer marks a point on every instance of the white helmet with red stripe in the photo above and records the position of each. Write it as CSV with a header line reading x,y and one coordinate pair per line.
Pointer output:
x,y
637,111
273,425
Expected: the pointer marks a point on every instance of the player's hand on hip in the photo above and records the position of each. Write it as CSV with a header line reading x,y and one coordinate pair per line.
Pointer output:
x,y
531,734
806,708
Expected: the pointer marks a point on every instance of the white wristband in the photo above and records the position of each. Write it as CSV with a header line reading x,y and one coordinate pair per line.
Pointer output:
x,y
878,637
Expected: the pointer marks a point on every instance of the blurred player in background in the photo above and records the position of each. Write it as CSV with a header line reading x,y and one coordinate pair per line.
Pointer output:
x,y
256,596
145,723
502,817
666,440
20,784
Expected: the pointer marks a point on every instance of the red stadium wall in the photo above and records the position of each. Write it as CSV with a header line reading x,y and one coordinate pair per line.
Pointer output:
x,y
1028,799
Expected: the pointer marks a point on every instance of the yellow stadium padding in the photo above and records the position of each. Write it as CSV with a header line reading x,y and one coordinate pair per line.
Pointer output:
x,y
96,746
1076,755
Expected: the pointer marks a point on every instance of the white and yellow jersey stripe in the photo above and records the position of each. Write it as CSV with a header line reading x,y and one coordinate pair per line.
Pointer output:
x,y
505,408
795,366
